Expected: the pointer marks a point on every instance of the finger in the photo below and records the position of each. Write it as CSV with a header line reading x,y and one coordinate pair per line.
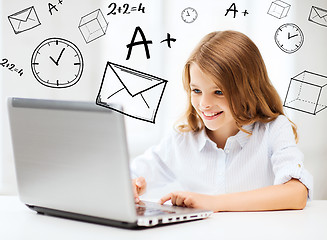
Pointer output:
x,y
180,200
135,192
165,198
173,199
141,185
189,202
140,182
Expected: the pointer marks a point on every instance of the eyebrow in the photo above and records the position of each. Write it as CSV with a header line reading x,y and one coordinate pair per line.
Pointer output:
x,y
192,85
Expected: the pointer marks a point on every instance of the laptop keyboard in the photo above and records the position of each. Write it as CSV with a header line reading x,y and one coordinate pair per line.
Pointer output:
x,y
142,210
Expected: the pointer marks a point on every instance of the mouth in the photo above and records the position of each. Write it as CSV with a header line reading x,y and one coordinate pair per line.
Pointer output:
x,y
211,115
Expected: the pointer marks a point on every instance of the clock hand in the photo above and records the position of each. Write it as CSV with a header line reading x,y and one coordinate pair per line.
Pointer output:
x,y
53,61
57,62
289,35
188,14
62,51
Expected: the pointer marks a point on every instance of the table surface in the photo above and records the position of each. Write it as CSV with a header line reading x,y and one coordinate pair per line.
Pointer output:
x,y
19,222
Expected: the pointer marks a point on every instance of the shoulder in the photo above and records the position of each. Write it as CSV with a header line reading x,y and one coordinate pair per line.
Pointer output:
x,y
274,132
278,125
280,121
281,128
279,133
178,137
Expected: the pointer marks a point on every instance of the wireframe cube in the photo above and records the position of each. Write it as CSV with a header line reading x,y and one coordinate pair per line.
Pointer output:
x,y
93,26
279,9
307,93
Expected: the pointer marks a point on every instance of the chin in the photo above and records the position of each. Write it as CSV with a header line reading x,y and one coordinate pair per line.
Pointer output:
x,y
211,128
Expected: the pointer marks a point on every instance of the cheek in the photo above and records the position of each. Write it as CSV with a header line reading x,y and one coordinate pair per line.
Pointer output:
x,y
194,101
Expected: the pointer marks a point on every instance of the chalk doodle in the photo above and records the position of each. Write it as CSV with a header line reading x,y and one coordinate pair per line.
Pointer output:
x,y
318,16
139,93
279,9
93,25
289,37
233,9
125,9
168,40
53,7
189,15
57,63
11,66
24,20
145,42
307,93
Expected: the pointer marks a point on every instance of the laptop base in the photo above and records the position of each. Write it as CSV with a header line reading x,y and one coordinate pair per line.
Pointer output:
x,y
81,217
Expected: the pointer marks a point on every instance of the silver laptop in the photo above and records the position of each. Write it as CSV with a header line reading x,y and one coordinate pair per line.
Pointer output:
x,y
72,161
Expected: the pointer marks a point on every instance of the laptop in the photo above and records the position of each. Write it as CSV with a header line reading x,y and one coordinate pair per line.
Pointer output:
x,y
71,160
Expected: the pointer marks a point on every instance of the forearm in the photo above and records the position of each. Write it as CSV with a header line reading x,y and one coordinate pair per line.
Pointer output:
x,y
291,195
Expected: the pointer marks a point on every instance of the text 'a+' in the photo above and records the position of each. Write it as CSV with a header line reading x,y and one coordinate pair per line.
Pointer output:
x,y
145,42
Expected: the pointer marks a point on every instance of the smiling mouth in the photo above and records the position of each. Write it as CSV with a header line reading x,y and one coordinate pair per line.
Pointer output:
x,y
212,115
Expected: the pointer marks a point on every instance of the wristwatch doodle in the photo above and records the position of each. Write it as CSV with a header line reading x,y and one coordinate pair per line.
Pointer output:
x,y
57,63
289,37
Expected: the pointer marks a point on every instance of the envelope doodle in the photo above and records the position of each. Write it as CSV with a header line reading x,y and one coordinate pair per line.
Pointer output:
x,y
318,16
138,93
24,20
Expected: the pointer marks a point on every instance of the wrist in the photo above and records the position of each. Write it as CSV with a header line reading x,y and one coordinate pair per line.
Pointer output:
x,y
220,203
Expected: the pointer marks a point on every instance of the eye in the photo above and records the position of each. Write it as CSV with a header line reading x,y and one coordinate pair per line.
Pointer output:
x,y
218,92
196,91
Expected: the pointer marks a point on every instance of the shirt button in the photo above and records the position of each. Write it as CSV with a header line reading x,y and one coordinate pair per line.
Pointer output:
x,y
227,151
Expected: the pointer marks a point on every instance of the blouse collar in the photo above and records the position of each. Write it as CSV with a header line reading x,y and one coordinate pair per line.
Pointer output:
x,y
241,137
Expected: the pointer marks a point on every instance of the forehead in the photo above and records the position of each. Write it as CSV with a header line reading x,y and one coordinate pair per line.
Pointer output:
x,y
199,78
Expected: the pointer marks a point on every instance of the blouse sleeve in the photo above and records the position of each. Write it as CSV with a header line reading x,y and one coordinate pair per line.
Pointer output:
x,y
286,157
155,164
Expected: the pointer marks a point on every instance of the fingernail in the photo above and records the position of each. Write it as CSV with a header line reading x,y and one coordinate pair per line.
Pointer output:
x,y
138,183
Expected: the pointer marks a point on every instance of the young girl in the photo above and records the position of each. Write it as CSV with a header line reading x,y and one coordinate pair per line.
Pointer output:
x,y
236,150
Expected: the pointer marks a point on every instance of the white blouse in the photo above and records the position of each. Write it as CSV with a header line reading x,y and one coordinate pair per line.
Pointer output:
x,y
269,156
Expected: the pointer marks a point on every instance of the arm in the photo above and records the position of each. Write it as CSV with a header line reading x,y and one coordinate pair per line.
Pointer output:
x,y
290,195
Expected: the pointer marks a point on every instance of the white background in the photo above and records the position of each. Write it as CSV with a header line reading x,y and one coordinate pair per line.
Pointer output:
x,y
161,17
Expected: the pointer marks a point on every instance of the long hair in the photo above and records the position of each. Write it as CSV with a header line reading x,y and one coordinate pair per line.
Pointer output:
x,y
234,63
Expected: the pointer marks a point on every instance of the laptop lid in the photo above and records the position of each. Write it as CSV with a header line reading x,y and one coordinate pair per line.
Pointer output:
x,y
73,157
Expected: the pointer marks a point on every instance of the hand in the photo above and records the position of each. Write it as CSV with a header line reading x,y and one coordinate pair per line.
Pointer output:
x,y
190,199
57,62
139,187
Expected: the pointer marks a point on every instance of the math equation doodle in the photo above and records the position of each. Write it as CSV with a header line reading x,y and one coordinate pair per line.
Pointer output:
x,y
10,66
124,9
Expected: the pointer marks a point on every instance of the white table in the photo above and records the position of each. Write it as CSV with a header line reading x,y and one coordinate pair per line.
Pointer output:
x,y
17,222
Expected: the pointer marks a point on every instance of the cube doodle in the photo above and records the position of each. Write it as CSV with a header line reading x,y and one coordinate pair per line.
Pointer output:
x,y
307,93
279,9
93,26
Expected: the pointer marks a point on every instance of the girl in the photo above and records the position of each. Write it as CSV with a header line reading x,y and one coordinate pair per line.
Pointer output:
x,y
236,150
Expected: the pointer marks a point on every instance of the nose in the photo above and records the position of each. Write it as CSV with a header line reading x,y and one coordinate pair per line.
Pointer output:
x,y
205,102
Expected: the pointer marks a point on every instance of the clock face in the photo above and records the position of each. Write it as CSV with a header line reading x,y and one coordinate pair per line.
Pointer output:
x,y
289,37
57,63
189,15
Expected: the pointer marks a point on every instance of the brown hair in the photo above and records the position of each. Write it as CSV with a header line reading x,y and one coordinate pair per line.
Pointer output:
x,y
235,65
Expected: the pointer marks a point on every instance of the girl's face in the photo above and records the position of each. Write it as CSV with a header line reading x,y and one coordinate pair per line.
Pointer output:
x,y
210,103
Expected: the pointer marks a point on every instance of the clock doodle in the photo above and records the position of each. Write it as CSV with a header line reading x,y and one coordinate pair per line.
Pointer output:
x,y
57,63
189,15
289,37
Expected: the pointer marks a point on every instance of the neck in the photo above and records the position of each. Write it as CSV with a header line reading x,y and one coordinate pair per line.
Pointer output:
x,y
220,136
